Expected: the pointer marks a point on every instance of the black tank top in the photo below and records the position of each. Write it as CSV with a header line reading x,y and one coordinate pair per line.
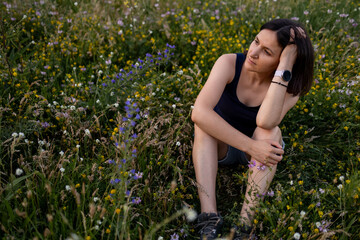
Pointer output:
x,y
229,107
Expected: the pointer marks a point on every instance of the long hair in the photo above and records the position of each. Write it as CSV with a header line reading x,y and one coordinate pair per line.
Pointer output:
x,y
303,69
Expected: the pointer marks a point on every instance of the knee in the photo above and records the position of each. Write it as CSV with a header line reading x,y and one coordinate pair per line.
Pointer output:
x,y
261,133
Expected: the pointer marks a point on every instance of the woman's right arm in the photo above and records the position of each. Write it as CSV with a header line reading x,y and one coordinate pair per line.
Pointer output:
x,y
204,116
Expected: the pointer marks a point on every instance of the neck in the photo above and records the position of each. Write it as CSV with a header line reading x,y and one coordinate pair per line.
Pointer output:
x,y
255,78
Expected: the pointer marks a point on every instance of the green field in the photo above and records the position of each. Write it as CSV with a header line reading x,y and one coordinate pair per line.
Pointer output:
x,y
95,128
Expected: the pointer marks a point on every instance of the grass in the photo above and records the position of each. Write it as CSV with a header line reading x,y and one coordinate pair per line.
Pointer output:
x,y
96,135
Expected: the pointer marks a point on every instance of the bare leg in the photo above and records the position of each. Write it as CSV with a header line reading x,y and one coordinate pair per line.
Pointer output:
x,y
259,179
205,157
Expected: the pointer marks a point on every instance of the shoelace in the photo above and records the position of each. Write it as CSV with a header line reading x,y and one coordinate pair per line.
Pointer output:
x,y
209,226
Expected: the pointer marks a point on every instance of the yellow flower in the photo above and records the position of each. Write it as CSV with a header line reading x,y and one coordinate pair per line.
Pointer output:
x,y
118,210
291,229
108,231
346,128
87,238
316,230
113,191
301,182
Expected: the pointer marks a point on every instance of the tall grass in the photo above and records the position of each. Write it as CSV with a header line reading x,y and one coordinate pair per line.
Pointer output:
x,y
96,136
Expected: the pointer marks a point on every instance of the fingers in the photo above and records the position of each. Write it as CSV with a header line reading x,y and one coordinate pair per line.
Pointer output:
x,y
292,34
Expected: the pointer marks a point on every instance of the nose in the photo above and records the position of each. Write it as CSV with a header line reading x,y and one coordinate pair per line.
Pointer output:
x,y
255,52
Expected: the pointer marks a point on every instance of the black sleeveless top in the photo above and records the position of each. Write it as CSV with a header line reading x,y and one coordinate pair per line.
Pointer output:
x,y
229,107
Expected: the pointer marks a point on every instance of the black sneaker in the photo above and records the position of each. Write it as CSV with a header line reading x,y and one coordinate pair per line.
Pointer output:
x,y
243,233
209,225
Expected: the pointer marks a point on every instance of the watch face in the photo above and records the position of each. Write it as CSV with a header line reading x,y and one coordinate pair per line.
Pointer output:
x,y
287,75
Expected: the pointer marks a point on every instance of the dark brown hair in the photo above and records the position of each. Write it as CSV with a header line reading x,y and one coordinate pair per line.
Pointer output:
x,y
303,69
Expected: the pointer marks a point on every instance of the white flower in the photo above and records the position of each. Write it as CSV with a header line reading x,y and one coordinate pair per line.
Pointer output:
x,y
180,72
61,153
341,178
318,224
160,238
75,3
302,214
340,186
97,141
297,236
190,214
100,72
72,107
64,132
116,105
62,169
21,134
112,94
26,141
174,106
178,143
87,132
99,222
95,200
67,187
78,146
24,16
291,182
97,227
14,134
98,101
18,172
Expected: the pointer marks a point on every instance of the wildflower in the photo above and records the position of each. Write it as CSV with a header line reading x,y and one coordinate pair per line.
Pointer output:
x,y
297,236
302,214
18,172
174,106
178,143
118,210
75,3
306,12
341,178
14,134
136,200
261,167
321,190
190,214
174,237
270,193
329,11
68,188
95,199
340,186
87,132
21,135
77,146
160,238
62,169
252,164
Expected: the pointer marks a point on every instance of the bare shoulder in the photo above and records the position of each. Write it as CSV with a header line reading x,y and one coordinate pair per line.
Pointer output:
x,y
225,65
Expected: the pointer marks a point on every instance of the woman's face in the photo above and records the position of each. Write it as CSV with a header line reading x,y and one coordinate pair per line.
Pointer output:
x,y
264,53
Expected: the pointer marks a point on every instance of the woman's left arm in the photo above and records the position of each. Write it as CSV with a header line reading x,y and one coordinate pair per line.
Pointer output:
x,y
277,101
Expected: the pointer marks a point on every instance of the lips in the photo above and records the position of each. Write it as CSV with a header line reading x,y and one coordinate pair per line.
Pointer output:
x,y
250,61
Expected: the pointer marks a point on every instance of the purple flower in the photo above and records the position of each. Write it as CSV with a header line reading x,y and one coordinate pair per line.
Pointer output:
x,y
136,200
127,193
261,167
113,81
306,12
295,18
174,237
252,164
270,193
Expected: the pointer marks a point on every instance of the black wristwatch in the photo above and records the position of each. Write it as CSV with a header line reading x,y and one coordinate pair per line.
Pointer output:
x,y
284,74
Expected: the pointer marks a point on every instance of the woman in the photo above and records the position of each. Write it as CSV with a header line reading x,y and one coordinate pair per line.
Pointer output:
x,y
238,111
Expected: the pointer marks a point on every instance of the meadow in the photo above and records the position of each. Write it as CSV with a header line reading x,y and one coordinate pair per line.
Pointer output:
x,y
96,135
